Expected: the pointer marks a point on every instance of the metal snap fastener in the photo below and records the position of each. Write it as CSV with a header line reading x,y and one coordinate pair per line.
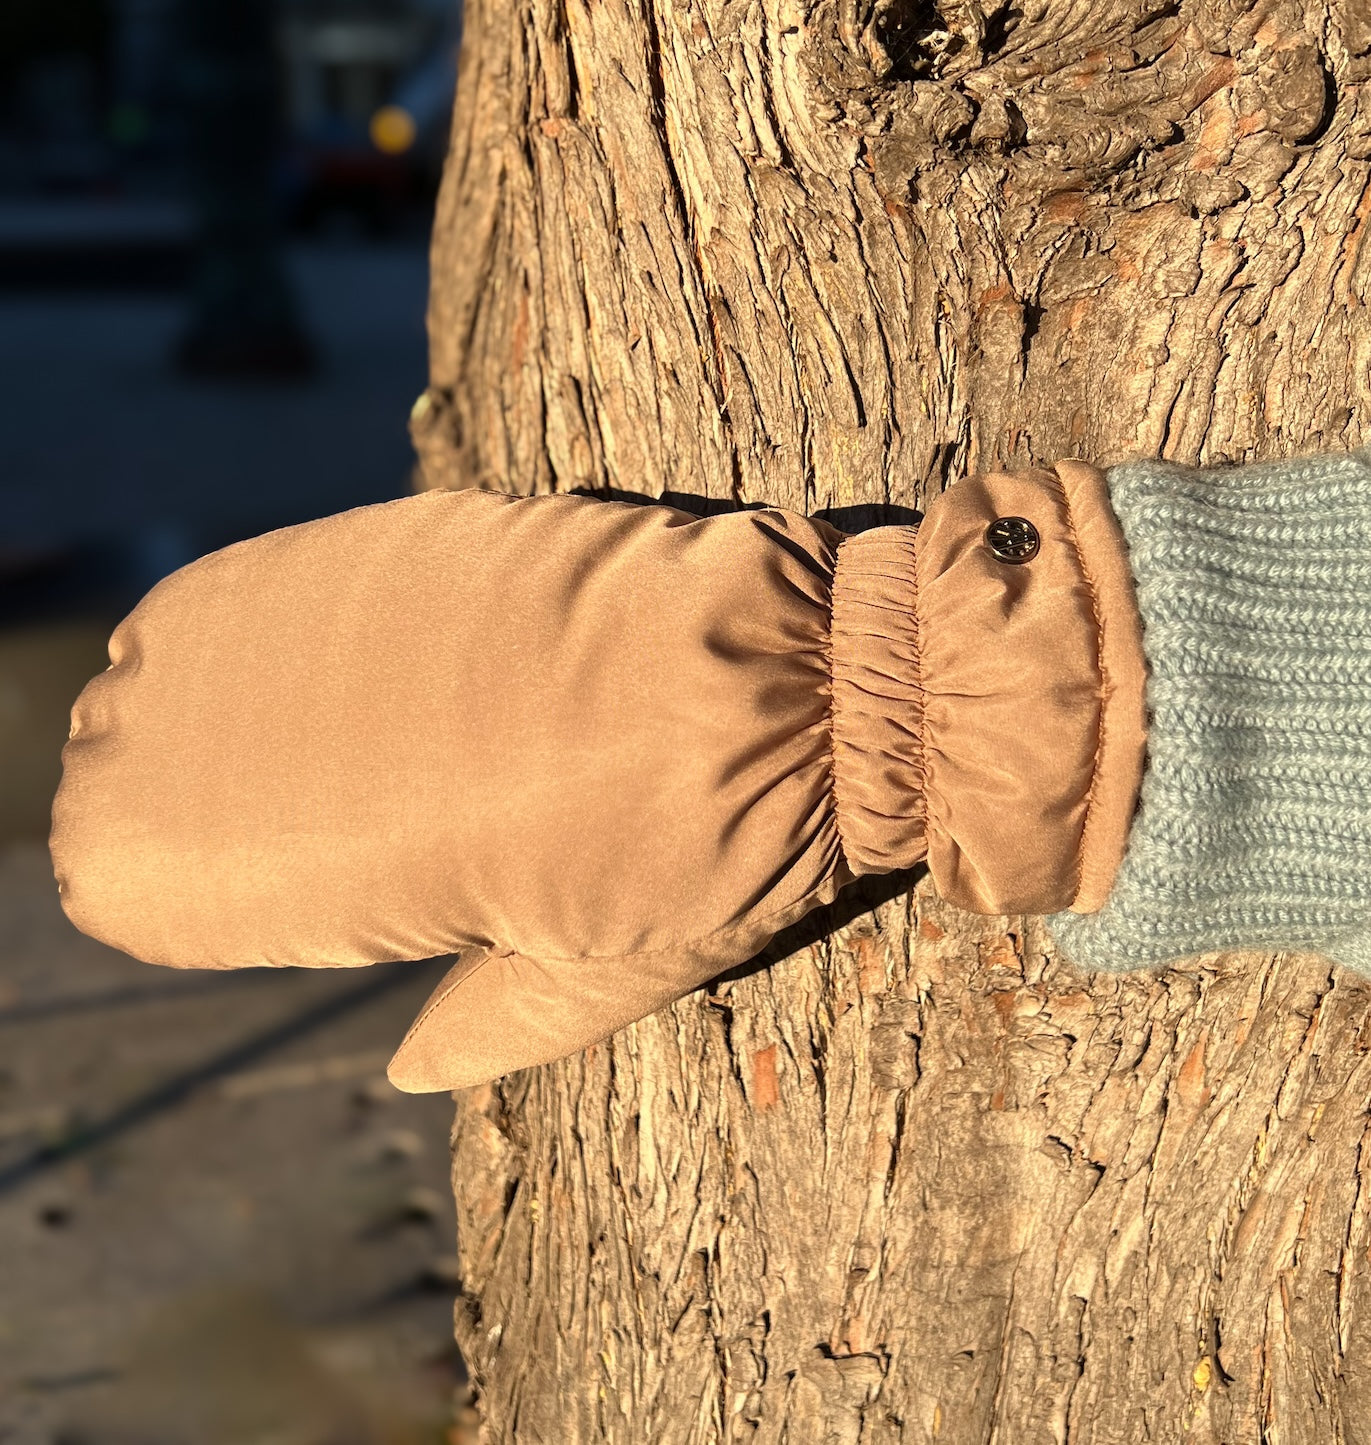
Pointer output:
x,y
1012,539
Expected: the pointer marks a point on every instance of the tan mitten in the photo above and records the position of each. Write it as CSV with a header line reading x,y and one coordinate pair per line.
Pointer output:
x,y
602,751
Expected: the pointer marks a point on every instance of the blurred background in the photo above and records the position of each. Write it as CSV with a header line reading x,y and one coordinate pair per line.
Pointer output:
x,y
218,1221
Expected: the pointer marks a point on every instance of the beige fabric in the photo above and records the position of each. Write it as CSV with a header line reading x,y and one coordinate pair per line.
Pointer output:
x,y
877,702
1033,682
1121,665
589,738
604,751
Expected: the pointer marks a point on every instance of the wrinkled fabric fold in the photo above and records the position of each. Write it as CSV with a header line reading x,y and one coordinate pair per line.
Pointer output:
x,y
878,701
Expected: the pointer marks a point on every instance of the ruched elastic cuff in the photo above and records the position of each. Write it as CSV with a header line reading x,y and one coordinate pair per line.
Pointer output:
x,y
878,702
988,714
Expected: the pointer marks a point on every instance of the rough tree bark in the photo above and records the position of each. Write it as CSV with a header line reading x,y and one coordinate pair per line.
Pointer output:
x,y
916,1180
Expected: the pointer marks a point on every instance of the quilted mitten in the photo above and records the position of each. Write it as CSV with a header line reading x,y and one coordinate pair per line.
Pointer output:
x,y
601,751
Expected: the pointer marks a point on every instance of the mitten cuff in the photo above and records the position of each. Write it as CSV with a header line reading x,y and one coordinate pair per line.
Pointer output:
x,y
1032,680
1254,820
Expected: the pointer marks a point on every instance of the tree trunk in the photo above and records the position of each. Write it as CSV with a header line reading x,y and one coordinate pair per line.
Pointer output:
x,y
916,1180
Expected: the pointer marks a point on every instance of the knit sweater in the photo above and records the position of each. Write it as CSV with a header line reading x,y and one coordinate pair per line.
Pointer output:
x,y
1253,824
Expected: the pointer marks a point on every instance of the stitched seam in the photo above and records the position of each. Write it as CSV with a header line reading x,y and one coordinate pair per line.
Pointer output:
x,y
447,994
1105,681
694,944
920,691
834,707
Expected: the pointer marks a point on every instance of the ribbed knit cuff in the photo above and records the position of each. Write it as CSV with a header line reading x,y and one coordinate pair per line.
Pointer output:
x,y
1253,827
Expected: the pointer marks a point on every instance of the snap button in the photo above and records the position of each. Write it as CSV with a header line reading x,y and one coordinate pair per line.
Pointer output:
x,y
1012,539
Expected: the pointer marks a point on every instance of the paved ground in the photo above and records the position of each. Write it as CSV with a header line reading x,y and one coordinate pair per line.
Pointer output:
x,y
217,1159
218,1222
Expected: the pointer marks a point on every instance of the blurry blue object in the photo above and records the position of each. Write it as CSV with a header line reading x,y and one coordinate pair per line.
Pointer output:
x,y
371,102
426,92
164,546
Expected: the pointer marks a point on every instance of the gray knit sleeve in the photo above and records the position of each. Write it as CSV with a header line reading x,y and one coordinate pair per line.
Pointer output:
x,y
1253,826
